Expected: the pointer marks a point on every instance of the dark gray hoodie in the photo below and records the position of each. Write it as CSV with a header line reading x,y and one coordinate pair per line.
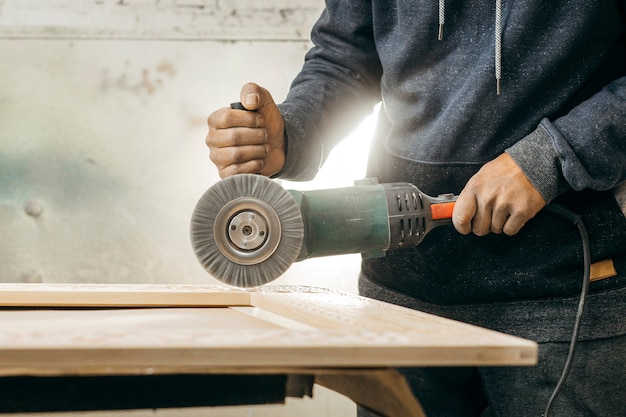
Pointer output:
x,y
542,80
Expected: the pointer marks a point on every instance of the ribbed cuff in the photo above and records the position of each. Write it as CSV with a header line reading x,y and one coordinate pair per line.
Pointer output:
x,y
302,159
537,157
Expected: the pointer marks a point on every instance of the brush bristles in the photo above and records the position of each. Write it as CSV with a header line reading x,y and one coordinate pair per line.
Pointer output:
x,y
203,234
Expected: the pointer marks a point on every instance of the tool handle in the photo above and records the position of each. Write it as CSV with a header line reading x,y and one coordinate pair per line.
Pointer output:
x,y
237,106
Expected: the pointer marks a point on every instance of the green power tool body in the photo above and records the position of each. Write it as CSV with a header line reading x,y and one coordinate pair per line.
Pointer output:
x,y
246,230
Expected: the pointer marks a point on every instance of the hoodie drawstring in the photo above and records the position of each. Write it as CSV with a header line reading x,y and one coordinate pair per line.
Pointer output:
x,y
498,51
498,37
442,18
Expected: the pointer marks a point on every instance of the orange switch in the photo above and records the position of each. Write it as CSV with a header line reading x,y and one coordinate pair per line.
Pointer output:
x,y
442,211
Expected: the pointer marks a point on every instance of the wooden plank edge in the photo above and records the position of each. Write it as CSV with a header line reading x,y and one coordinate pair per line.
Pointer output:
x,y
120,295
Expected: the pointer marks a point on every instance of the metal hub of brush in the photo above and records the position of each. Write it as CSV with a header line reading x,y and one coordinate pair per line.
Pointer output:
x,y
246,230
251,231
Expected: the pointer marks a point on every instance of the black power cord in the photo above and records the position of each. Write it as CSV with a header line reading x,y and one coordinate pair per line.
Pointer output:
x,y
577,221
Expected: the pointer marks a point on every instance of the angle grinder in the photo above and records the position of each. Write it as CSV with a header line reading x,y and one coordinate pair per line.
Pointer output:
x,y
247,230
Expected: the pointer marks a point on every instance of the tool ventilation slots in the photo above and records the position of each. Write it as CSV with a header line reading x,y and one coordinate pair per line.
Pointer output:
x,y
410,226
407,217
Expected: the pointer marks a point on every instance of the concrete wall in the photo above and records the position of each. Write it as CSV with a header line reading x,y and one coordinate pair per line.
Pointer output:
x,y
280,20
102,121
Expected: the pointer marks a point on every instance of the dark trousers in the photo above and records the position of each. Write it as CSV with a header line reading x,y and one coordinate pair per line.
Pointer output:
x,y
596,385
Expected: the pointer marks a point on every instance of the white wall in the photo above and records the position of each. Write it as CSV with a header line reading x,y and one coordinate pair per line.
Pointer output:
x,y
103,108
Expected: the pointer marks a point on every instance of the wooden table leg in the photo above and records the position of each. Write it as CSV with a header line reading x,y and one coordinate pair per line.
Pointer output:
x,y
384,391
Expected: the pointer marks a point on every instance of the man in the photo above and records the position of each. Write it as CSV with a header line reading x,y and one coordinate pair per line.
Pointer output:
x,y
513,105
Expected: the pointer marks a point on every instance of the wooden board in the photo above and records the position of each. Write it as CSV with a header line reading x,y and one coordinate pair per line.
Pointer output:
x,y
89,329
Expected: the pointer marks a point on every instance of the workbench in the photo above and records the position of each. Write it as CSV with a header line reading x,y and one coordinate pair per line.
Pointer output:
x,y
62,346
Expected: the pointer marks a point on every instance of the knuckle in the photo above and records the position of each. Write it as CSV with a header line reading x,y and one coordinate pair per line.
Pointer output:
x,y
210,120
217,119
513,225
229,137
230,170
480,231
235,155
216,159
235,170
240,137
249,167
510,231
501,211
259,121
210,139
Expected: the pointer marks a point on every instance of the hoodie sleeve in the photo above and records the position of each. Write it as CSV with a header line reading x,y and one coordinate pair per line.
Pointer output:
x,y
338,86
585,148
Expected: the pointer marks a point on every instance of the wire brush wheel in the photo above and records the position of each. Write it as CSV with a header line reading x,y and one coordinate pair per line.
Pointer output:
x,y
246,230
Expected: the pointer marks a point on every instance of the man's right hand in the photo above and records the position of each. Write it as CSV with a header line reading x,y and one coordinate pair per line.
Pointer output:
x,y
250,141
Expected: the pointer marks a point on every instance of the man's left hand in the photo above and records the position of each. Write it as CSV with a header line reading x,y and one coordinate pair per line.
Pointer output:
x,y
499,198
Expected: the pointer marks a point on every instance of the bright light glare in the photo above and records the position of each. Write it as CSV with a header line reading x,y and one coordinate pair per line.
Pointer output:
x,y
347,161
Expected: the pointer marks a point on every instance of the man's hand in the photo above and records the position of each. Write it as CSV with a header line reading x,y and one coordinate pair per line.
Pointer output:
x,y
498,199
251,141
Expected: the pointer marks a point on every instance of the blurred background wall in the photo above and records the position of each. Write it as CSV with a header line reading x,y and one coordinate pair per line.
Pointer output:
x,y
103,107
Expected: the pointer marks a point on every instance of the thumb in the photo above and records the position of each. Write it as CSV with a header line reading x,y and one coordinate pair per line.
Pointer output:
x,y
254,97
